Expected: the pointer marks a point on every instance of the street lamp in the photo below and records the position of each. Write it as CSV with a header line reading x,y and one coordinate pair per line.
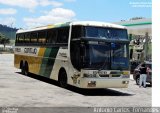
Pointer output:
x,y
11,30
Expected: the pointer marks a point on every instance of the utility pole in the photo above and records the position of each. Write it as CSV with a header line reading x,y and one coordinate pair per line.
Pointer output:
x,y
11,30
146,46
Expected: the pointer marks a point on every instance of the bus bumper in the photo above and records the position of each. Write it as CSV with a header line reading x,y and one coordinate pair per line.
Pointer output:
x,y
91,83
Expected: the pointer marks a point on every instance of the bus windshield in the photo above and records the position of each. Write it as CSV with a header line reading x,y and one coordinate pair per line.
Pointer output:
x,y
105,33
99,54
109,56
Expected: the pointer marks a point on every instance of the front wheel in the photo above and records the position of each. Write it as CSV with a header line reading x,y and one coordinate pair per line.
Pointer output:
x,y
62,79
137,80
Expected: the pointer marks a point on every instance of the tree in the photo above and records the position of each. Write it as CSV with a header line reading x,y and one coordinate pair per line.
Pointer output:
x,y
1,36
4,40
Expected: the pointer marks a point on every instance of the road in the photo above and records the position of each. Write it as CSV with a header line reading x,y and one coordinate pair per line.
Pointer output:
x,y
34,91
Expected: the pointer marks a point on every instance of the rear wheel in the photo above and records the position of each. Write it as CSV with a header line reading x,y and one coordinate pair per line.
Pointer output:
x,y
62,79
24,69
26,72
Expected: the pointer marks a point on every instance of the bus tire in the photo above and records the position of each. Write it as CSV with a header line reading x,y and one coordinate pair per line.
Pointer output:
x,y
26,70
62,78
22,67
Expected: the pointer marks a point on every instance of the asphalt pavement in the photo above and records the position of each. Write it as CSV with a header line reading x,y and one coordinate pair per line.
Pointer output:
x,y
17,90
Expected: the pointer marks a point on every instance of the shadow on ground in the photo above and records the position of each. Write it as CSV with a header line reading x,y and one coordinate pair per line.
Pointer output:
x,y
86,92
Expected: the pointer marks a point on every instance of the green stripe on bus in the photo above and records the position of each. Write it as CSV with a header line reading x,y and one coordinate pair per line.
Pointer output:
x,y
48,61
62,25
136,24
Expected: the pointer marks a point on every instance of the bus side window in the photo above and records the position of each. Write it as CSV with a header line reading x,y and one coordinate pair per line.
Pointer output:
x,y
76,32
42,37
17,38
21,38
51,36
34,37
63,34
27,38
75,48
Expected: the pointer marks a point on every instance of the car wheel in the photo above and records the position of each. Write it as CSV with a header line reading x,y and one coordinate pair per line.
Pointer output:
x,y
137,80
151,83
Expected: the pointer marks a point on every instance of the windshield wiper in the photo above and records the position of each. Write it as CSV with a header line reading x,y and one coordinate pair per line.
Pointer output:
x,y
104,64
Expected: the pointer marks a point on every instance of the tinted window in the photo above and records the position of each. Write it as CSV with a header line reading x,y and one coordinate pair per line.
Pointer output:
x,y
17,38
91,32
21,38
33,37
51,36
76,32
42,37
27,38
63,34
149,65
103,32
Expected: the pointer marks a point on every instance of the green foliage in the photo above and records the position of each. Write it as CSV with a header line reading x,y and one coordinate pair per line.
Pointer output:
x,y
1,36
4,40
8,31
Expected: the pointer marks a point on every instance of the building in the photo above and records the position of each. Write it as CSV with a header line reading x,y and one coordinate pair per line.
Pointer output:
x,y
140,34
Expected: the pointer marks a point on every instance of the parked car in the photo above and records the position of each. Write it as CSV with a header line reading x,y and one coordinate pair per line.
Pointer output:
x,y
133,65
136,73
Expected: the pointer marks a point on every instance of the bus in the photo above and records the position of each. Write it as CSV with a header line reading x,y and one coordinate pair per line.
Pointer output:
x,y
84,54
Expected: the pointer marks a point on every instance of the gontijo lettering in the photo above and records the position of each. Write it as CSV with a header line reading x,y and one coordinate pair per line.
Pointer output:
x,y
30,50
17,49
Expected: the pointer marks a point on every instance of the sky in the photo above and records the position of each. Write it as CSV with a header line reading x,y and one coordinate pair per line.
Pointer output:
x,y
32,13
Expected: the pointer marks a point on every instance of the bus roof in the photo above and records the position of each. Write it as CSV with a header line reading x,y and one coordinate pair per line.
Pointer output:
x,y
44,27
84,23
99,24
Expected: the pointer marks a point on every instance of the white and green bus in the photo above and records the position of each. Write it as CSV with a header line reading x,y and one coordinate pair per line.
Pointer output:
x,y
84,54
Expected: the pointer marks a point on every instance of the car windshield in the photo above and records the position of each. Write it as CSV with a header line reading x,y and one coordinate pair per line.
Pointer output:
x,y
146,65
149,65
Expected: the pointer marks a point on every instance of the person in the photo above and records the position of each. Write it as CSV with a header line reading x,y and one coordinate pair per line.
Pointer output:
x,y
143,75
